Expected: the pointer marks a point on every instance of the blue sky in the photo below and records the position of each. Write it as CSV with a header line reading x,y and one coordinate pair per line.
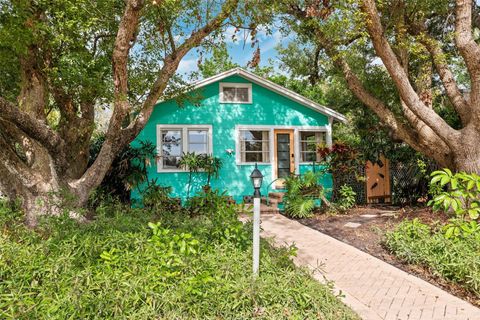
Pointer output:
x,y
241,50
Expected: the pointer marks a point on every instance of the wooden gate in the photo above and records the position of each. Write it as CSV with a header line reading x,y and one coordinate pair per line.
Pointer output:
x,y
378,181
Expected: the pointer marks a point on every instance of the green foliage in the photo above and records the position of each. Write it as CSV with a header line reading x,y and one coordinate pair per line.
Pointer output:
x,y
223,213
158,197
212,166
455,259
341,158
302,192
463,195
347,198
219,62
204,163
128,170
299,207
116,267
459,196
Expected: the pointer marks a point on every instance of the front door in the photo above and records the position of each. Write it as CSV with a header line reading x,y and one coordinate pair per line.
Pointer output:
x,y
284,156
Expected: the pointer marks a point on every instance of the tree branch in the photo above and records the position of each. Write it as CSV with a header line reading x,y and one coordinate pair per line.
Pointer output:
x,y
125,38
400,78
171,64
446,76
425,140
421,141
171,40
469,49
117,137
34,128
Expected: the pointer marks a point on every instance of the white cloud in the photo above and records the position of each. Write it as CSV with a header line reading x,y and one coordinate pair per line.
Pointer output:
x,y
271,41
187,65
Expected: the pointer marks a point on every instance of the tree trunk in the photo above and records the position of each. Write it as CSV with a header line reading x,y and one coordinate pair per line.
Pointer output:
x,y
467,154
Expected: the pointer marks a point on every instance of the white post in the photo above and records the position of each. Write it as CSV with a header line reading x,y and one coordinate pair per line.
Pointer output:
x,y
329,132
256,235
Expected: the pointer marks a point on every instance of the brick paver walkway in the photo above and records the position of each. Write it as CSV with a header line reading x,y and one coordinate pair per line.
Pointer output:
x,y
373,288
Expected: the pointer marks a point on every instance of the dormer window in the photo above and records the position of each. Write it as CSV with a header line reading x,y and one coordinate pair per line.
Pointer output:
x,y
235,92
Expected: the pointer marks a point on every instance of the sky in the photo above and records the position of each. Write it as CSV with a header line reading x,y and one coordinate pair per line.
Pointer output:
x,y
241,50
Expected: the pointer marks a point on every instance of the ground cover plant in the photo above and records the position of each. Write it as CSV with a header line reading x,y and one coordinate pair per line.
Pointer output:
x,y
454,259
451,249
151,264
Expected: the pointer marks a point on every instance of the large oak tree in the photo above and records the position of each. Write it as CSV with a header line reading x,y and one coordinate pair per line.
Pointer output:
x,y
425,47
62,60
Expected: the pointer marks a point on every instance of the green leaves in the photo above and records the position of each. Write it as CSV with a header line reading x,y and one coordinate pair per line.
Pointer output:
x,y
302,194
347,197
460,196
450,251
115,267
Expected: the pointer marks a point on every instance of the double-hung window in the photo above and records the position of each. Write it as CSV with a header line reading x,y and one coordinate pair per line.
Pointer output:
x,y
174,140
254,146
309,140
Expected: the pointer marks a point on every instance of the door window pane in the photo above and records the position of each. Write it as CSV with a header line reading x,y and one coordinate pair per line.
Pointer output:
x,y
283,155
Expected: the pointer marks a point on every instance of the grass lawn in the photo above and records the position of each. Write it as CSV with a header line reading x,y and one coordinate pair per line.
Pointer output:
x,y
177,267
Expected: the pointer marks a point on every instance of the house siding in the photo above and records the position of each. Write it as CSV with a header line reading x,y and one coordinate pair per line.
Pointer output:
x,y
267,108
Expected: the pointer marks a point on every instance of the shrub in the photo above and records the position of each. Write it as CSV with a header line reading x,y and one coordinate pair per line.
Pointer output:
x,y
128,170
347,198
302,191
459,195
455,259
158,198
203,163
222,213
122,266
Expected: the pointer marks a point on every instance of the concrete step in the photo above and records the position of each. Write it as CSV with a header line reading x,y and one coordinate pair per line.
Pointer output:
x,y
271,202
268,209
276,195
263,208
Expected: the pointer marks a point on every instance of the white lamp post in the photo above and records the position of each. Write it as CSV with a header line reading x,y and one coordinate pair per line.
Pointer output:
x,y
257,179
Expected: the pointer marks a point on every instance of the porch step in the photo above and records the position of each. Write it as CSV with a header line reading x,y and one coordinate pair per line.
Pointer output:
x,y
268,209
276,196
264,208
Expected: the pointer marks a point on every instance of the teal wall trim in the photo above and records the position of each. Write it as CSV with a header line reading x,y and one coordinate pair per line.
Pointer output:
x,y
267,109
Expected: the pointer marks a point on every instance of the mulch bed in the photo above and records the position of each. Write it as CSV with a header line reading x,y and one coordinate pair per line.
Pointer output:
x,y
368,237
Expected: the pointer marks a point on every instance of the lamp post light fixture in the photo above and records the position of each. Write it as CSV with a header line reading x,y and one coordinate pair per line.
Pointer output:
x,y
257,179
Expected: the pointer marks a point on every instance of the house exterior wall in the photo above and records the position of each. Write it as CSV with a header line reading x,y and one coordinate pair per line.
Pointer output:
x,y
268,109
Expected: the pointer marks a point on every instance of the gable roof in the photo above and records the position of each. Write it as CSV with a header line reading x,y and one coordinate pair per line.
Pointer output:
x,y
273,87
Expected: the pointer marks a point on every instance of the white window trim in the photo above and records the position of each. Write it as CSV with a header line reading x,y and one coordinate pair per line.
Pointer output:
x,y
238,158
184,128
236,85
296,138
324,130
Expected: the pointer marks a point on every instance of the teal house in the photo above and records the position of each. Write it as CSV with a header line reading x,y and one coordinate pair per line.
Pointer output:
x,y
243,120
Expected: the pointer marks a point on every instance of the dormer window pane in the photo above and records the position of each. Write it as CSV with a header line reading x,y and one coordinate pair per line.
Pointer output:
x,y
229,94
242,95
235,93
